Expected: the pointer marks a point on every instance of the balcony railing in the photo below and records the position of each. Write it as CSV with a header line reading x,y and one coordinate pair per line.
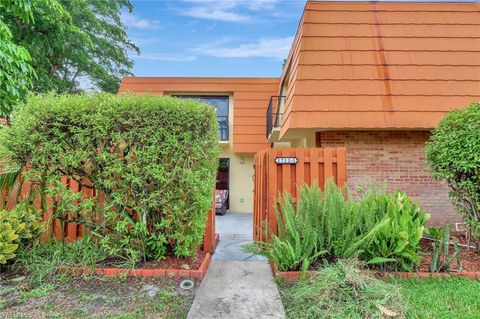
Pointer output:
x,y
274,117
223,127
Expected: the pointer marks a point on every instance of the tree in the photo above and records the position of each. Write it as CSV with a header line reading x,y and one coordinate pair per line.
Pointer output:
x,y
453,154
15,70
85,45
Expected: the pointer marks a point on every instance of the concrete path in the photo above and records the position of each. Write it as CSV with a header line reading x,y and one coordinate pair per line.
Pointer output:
x,y
237,285
237,290
235,230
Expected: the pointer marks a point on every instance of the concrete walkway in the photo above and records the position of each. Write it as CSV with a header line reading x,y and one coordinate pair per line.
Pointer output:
x,y
237,290
237,285
235,230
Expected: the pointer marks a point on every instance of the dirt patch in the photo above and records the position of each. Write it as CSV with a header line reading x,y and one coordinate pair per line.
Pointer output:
x,y
96,297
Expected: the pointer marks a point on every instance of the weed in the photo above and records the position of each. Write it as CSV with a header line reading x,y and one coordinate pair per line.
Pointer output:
x,y
38,292
48,306
43,260
89,297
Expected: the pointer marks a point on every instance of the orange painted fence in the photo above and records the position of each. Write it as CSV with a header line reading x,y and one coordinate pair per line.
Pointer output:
x,y
71,231
284,170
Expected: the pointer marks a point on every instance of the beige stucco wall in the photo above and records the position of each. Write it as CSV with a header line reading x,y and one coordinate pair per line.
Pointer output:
x,y
241,180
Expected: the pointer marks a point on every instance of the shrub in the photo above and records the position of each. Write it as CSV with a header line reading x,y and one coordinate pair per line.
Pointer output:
x,y
341,290
453,154
18,227
379,228
153,159
397,242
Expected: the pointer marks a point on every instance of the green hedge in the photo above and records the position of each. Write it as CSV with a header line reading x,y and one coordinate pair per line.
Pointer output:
x,y
453,154
155,156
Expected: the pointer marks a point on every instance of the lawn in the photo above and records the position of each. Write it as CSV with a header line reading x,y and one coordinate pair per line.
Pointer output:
x,y
453,298
343,291
95,297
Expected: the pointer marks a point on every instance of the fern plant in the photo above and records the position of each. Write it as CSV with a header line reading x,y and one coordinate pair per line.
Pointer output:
x,y
379,228
296,246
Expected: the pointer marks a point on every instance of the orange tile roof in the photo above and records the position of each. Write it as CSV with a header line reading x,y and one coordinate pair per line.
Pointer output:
x,y
381,65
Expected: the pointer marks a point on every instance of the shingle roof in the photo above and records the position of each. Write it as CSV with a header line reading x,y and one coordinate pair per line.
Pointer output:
x,y
382,65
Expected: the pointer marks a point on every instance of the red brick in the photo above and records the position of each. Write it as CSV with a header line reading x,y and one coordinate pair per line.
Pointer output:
x,y
147,272
196,274
394,159
111,272
135,272
99,271
172,272
159,272
184,273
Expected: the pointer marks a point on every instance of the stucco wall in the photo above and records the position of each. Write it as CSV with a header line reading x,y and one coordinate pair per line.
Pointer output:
x,y
241,181
394,159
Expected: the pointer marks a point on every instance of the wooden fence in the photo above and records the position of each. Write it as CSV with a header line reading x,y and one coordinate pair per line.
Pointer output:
x,y
71,231
284,170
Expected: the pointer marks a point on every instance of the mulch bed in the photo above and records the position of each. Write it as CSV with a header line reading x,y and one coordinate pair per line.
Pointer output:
x,y
470,258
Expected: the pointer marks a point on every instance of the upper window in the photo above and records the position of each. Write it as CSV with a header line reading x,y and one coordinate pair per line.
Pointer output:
x,y
220,103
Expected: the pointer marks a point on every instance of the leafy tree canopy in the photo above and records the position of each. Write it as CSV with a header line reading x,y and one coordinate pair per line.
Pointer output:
x,y
81,44
15,71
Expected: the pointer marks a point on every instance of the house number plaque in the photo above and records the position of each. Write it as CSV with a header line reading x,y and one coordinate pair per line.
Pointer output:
x,y
286,160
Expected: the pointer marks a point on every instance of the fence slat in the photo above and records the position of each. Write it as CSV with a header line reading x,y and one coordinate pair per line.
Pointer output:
x,y
72,226
327,163
272,188
313,165
341,166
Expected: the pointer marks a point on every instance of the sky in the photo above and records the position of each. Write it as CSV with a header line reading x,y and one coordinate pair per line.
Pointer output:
x,y
236,38
245,38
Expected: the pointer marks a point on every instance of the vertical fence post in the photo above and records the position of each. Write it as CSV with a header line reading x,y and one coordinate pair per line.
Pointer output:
x,y
209,235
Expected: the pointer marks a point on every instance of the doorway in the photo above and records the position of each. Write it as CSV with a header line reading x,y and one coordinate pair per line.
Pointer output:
x,y
223,177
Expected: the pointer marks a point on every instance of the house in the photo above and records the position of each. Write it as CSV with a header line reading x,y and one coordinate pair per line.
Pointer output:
x,y
375,77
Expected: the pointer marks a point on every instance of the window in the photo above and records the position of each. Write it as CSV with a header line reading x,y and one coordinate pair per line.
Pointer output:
x,y
220,103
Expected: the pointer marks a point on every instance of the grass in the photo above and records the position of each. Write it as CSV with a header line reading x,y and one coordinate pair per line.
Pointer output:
x,y
341,291
456,298
41,261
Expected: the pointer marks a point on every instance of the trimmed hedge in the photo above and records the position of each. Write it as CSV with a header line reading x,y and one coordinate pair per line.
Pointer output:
x,y
155,158
453,154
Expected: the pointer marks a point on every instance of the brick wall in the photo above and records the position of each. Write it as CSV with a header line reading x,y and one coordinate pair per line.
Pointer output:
x,y
394,159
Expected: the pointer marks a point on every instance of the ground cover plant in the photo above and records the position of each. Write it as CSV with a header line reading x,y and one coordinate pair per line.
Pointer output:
x,y
453,154
19,228
381,229
151,160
